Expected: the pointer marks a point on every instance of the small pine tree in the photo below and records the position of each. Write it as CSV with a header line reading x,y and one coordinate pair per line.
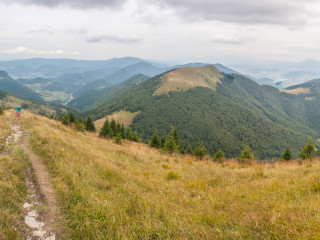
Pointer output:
x,y
65,119
200,150
308,151
118,128
90,125
72,119
155,141
1,110
219,156
122,131
163,141
80,120
286,155
170,144
129,135
246,156
113,126
105,130
80,126
117,139
60,117
135,137
189,150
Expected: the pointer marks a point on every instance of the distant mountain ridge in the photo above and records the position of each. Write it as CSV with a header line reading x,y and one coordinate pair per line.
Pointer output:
x,y
7,84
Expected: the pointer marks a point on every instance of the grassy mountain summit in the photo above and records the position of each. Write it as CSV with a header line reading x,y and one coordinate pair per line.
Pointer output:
x,y
189,77
222,111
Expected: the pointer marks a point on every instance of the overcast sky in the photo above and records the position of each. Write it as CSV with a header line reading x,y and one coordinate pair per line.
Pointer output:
x,y
226,31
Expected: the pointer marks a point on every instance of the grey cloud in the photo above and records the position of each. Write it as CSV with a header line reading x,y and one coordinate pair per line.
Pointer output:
x,y
80,4
112,39
231,40
283,12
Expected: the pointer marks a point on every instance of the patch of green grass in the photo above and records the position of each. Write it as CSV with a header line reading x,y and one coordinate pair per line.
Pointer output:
x,y
172,176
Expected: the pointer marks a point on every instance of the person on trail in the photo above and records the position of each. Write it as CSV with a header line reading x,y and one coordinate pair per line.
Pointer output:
x,y
18,111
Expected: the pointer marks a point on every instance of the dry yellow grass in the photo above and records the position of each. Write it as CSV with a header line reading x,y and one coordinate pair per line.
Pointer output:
x,y
5,129
189,77
130,191
123,117
296,91
13,167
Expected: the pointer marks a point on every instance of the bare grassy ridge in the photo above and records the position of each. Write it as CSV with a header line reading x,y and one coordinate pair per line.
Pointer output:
x,y
108,191
189,77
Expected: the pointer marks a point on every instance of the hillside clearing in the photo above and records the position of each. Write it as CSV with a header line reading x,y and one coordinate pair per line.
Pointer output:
x,y
130,191
123,117
296,91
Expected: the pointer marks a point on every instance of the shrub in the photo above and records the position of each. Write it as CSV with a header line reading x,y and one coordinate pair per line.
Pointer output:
x,y
286,155
219,156
246,156
308,151
172,176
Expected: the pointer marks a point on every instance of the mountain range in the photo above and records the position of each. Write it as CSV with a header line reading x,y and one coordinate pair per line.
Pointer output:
x,y
213,104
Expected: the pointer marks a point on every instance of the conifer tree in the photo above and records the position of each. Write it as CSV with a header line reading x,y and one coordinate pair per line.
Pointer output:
x,y
113,126
170,144
122,131
60,117
65,119
200,150
80,119
163,141
246,156
129,135
118,128
80,124
90,125
155,141
1,110
286,155
189,150
308,151
72,119
117,139
219,156
105,130
135,137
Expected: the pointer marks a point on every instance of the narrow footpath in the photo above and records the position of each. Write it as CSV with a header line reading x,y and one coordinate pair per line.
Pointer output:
x,y
40,207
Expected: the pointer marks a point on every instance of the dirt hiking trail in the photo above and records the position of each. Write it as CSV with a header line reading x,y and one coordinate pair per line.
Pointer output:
x,y
41,205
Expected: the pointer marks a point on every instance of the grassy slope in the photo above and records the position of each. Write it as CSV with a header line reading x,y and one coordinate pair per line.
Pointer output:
x,y
123,117
12,188
108,191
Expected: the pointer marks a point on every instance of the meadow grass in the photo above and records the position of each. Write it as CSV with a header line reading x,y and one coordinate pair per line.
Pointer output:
x,y
13,165
5,129
130,191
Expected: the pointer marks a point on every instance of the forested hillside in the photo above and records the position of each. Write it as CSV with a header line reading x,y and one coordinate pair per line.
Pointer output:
x,y
238,112
9,85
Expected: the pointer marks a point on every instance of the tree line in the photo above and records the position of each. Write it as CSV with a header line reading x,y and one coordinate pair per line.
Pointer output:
x,y
171,143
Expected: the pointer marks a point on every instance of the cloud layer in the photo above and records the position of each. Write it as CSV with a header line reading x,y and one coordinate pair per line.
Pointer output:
x,y
81,4
285,12
25,50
